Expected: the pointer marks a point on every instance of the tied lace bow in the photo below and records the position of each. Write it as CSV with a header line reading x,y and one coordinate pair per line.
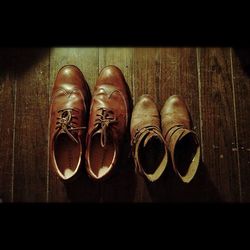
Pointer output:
x,y
104,119
66,124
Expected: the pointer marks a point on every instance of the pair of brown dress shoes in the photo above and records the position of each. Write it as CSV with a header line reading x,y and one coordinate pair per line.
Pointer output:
x,y
81,127
94,128
150,144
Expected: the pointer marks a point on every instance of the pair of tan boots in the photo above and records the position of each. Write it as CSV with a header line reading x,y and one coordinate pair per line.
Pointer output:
x,y
154,135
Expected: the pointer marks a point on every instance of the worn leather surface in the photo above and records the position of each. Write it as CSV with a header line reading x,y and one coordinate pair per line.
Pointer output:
x,y
109,114
70,101
145,124
176,125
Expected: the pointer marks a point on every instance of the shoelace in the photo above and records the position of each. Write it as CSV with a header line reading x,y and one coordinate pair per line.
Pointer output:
x,y
104,119
65,122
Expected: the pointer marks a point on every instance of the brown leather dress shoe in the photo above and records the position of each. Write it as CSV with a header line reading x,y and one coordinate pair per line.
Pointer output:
x,y
148,145
108,121
69,108
182,142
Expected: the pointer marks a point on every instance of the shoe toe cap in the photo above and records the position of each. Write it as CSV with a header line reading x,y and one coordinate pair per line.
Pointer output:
x,y
112,75
70,74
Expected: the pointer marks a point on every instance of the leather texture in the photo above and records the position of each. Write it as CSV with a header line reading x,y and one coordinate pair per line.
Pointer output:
x,y
108,122
145,126
69,109
177,130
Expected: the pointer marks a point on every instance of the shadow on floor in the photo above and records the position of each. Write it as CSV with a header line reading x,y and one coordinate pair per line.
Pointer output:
x,y
83,189
127,186
170,188
244,56
20,60
117,188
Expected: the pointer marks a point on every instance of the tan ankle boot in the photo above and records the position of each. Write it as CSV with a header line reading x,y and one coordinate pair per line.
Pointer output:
x,y
182,142
148,146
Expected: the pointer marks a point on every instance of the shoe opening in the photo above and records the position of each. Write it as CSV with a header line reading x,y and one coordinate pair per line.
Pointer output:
x,y
67,155
152,154
185,152
101,158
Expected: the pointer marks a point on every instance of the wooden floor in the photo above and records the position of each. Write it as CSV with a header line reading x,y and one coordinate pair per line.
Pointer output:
x,y
215,83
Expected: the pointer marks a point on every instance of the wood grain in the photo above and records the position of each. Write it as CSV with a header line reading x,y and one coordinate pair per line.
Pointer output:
x,y
7,106
86,59
241,73
218,121
30,157
146,72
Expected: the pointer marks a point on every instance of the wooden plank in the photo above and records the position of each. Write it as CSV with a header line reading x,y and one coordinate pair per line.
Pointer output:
x,y
218,122
120,186
146,72
7,105
86,59
241,73
30,173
